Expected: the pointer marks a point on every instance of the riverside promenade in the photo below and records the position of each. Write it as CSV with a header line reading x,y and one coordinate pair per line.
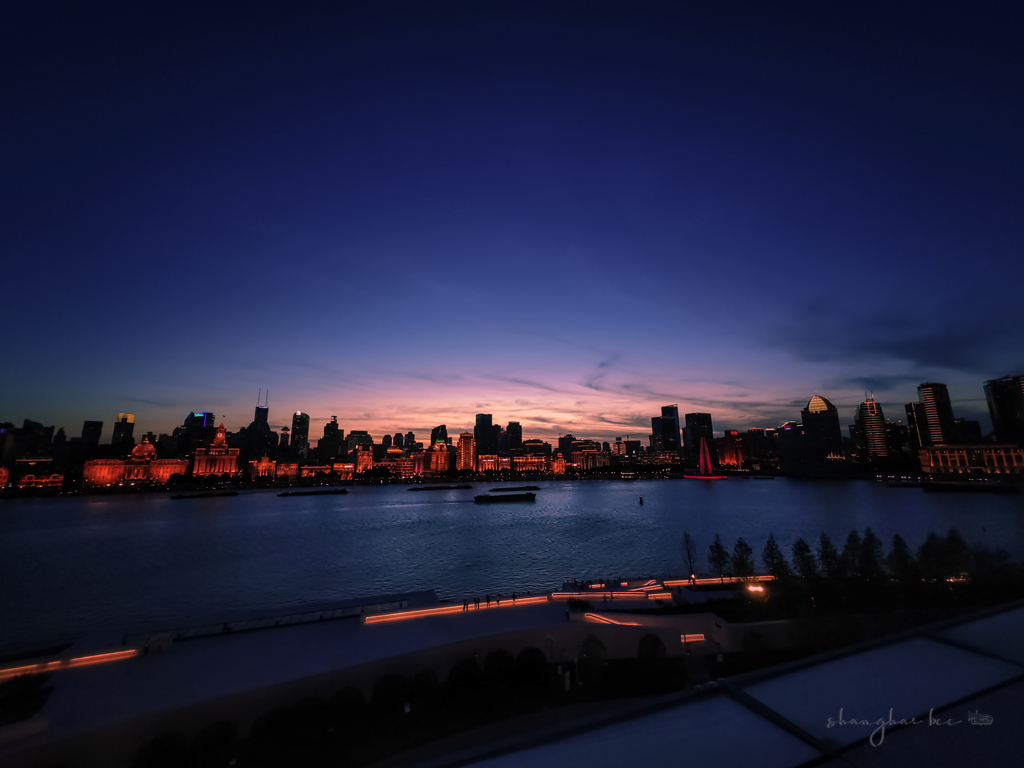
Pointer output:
x,y
108,698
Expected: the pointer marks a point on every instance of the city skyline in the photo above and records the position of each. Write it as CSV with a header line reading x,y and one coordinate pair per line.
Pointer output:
x,y
316,427
568,217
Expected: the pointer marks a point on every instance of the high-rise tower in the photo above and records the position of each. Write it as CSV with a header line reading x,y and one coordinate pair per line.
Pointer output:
x,y
1005,398
870,423
939,427
123,429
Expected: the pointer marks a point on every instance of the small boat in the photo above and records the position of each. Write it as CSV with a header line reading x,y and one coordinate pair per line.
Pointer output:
x,y
441,488
517,488
208,495
487,499
328,492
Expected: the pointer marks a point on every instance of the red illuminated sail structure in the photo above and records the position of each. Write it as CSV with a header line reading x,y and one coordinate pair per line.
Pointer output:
x,y
706,470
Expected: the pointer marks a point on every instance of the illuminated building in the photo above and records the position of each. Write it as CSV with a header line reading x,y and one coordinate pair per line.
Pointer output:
x,y
592,459
466,453
91,433
123,428
938,413
410,441
438,461
300,433
659,458
41,481
100,473
1005,399
264,469
531,463
558,465
565,446
364,458
144,467
4,476
217,459
487,463
386,441
972,460
286,471
731,449
916,425
314,471
870,428
439,435
344,471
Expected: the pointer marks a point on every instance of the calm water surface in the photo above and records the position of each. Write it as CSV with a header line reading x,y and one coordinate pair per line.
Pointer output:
x,y
109,564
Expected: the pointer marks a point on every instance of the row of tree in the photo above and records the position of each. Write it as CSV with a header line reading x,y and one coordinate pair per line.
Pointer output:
x,y
862,557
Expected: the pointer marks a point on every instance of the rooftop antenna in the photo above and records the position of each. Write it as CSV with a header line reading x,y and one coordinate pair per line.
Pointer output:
x,y
267,401
259,396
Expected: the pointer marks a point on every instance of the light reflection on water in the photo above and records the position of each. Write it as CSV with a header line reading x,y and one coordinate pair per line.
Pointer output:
x,y
109,564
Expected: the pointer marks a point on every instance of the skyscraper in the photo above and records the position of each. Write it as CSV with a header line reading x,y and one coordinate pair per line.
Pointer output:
x,y
1005,398
91,432
514,430
670,439
916,425
330,444
483,434
821,428
397,441
698,425
439,434
386,441
300,433
410,441
123,429
938,413
871,435
466,455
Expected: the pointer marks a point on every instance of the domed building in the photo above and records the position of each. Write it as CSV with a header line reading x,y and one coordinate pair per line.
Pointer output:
x,y
821,425
141,467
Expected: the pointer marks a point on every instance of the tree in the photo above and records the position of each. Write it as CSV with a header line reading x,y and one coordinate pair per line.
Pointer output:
x,y
849,561
870,564
773,558
828,557
803,560
901,561
742,559
718,558
690,554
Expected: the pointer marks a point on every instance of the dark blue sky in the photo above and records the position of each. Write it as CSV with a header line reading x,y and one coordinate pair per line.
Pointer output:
x,y
567,214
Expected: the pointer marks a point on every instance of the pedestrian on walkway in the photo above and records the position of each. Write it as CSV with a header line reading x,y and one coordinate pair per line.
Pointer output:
x,y
488,598
513,598
476,603
465,604
604,598
497,600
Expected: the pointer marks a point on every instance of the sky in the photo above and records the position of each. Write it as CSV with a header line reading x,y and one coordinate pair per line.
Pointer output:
x,y
564,214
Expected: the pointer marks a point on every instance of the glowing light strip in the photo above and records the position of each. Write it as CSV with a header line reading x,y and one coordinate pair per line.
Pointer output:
x,y
691,638
447,609
79,661
606,620
659,595
728,580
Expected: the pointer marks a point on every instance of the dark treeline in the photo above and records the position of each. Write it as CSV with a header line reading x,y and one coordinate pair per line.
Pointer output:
x,y
403,712
821,577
